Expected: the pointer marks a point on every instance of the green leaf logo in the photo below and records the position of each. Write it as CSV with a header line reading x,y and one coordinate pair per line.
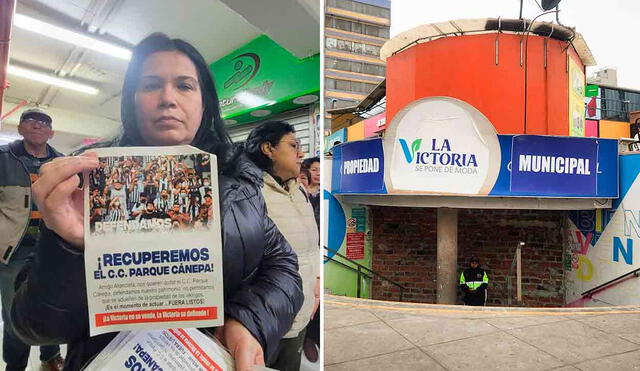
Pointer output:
x,y
415,146
409,156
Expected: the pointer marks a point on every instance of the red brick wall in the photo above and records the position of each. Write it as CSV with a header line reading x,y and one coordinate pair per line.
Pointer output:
x,y
404,250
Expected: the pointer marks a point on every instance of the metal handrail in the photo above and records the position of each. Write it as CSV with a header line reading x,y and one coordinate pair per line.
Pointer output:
x,y
635,272
358,284
359,267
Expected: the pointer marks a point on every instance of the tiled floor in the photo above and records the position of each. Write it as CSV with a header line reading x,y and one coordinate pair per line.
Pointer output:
x,y
376,335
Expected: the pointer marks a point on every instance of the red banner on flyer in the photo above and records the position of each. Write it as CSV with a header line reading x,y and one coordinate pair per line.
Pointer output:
x,y
156,315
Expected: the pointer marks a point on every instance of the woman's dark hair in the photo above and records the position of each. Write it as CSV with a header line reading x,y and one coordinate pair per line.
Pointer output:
x,y
305,172
212,135
306,164
268,132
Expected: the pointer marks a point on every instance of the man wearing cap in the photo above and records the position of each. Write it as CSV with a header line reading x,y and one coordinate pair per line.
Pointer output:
x,y
20,162
474,282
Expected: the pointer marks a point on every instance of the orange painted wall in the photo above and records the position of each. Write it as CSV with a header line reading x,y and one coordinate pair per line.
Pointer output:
x,y
614,129
464,67
355,131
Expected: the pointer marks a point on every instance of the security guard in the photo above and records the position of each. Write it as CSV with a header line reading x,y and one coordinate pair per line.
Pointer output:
x,y
473,283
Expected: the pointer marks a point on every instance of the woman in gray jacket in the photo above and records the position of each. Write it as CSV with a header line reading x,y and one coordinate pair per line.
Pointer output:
x,y
274,148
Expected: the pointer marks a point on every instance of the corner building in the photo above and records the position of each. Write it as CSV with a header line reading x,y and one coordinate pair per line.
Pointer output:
x,y
485,153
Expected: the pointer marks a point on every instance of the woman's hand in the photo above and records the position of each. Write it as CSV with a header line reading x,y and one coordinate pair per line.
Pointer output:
x,y
58,197
245,349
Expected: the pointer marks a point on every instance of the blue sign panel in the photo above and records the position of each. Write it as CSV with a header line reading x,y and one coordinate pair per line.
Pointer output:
x,y
606,175
608,168
546,165
530,166
361,167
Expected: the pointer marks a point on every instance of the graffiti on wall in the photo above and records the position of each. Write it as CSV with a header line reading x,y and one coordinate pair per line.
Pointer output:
x,y
601,246
578,246
583,233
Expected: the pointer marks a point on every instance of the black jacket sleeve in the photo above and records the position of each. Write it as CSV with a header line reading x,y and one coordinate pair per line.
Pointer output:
x,y
268,303
50,306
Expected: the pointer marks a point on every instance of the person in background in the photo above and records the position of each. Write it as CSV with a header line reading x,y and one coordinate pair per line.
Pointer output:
x,y
150,186
20,162
312,167
303,179
473,283
138,208
273,147
310,178
116,213
98,206
164,202
168,98
176,216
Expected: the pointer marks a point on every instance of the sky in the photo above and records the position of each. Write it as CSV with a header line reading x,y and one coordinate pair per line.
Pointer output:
x,y
611,28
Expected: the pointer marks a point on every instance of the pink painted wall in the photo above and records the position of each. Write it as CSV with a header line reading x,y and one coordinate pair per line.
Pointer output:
x,y
374,124
591,128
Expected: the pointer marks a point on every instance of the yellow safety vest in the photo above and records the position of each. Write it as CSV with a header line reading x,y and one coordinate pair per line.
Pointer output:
x,y
473,285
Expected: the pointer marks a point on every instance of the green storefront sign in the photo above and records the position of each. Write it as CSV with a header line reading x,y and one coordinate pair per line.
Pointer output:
x,y
591,91
262,78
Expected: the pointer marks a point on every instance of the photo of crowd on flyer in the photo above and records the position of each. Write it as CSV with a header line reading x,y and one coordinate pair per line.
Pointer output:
x,y
150,193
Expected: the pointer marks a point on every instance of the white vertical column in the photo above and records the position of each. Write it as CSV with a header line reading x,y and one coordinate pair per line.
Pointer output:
x,y
447,269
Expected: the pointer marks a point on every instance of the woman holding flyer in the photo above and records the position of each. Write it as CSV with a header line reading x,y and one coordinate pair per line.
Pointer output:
x,y
168,98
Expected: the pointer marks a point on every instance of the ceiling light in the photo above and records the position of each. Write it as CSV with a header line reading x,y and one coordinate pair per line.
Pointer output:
x,y
260,113
306,99
252,100
58,33
51,80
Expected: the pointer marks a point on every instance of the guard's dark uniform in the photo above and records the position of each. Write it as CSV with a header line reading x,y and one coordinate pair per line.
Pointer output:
x,y
474,282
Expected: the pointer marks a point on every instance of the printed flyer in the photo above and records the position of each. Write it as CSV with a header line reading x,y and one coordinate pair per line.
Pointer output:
x,y
158,350
153,249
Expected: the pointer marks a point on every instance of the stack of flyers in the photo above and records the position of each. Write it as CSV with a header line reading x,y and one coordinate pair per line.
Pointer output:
x,y
163,350
153,246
